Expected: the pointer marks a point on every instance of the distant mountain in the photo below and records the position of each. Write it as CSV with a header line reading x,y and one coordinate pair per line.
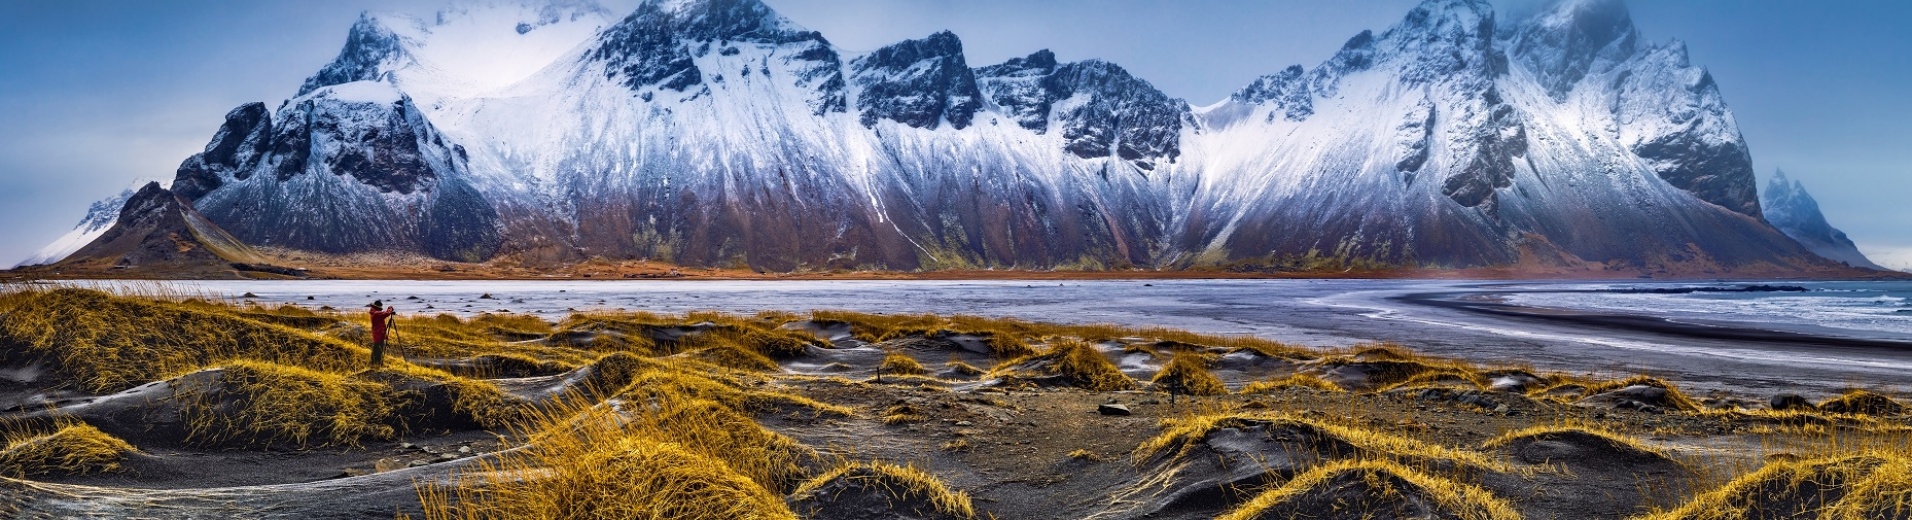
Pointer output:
x,y
1794,212
100,216
717,132
158,231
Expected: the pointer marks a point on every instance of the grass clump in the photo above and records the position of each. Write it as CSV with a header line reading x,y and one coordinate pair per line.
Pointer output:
x,y
1863,402
1824,488
1887,493
105,343
1442,376
737,358
660,381
1187,374
1585,431
778,344
260,403
1373,489
1674,398
1309,381
903,414
72,449
904,488
598,466
1073,363
662,454
898,363
960,368
1180,437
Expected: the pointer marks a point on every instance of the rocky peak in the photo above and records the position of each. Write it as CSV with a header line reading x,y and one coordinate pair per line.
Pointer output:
x,y
656,45
918,83
1102,110
1565,42
368,131
1671,114
1793,211
371,50
1286,90
241,141
732,20
1440,39
1018,87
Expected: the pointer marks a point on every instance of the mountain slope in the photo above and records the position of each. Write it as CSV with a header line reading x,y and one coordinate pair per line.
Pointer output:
x,y
717,132
100,217
157,231
1793,211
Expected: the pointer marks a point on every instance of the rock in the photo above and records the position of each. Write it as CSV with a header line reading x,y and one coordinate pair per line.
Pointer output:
x,y
1113,409
1791,402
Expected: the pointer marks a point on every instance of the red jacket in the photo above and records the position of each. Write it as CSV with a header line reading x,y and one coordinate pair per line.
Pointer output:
x,y
378,324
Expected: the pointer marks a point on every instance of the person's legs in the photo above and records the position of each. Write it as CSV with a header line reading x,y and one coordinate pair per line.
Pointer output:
x,y
378,354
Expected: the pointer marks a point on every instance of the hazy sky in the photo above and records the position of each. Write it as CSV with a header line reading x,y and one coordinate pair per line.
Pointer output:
x,y
97,93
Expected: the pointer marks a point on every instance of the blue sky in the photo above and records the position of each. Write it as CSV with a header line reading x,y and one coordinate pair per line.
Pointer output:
x,y
98,93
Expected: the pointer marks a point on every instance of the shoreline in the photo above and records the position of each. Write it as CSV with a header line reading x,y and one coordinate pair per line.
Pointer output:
x,y
1653,324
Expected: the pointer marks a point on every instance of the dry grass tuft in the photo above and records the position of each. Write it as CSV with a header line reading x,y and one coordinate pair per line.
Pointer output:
x,y
1074,363
596,467
105,343
1543,432
1849,487
655,381
898,363
963,369
1181,436
902,485
1308,381
1887,493
72,449
736,358
903,414
1674,397
1863,402
260,403
1373,489
778,344
1442,376
1187,374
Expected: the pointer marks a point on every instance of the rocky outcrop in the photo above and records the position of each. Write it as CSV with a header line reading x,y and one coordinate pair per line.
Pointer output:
x,y
159,231
920,83
1099,108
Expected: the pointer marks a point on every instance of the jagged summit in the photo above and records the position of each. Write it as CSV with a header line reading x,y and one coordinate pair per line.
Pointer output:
x,y
466,50
718,132
1560,46
920,83
1794,211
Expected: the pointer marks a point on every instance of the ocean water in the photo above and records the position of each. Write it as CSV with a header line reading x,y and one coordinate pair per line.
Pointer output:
x,y
1861,309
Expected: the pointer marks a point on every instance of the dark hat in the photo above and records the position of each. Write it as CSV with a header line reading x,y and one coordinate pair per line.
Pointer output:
x,y
376,304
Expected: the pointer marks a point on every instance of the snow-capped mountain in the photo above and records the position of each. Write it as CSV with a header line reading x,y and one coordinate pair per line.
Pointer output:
x,y
1792,210
717,132
100,216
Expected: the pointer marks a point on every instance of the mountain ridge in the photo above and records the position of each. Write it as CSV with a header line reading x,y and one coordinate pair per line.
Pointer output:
x,y
719,133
